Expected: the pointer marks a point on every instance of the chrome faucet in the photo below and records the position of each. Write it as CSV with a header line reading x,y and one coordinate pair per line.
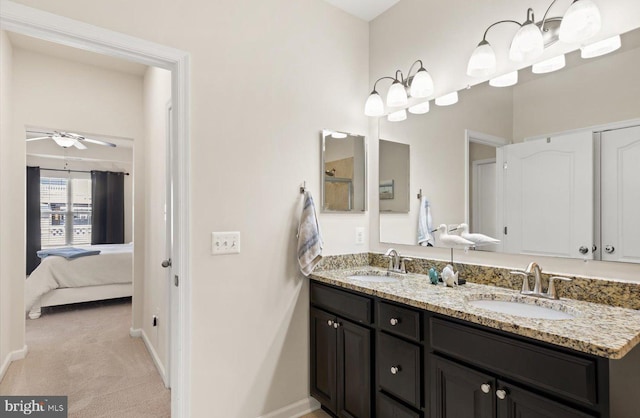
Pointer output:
x,y
535,270
396,262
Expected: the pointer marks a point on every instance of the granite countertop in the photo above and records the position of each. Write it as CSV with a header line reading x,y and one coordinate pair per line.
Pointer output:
x,y
597,329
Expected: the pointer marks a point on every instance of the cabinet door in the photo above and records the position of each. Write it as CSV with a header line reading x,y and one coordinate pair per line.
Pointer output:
x,y
323,358
354,370
520,403
457,391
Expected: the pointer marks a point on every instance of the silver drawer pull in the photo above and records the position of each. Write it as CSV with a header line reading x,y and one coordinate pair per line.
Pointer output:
x,y
330,323
501,394
394,321
395,369
485,387
336,325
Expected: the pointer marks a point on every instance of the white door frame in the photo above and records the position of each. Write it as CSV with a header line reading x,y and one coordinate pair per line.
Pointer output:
x,y
36,23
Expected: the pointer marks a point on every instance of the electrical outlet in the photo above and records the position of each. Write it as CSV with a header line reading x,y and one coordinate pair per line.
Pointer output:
x,y
225,242
360,235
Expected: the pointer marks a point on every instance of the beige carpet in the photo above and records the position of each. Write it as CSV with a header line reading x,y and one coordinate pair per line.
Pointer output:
x,y
87,354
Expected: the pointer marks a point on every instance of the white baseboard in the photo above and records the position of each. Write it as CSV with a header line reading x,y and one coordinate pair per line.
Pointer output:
x,y
12,356
295,410
139,333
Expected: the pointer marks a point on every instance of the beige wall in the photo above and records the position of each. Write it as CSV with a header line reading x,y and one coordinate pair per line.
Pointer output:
x,y
263,83
157,94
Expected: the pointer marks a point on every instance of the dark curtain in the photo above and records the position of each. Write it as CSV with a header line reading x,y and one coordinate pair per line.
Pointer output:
x,y
33,218
107,213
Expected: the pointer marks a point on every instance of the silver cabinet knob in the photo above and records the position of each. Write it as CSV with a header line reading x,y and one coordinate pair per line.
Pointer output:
x,y
395,369
583,250
336,325
501,394
394,321
166,263
609,249
485,388
330,323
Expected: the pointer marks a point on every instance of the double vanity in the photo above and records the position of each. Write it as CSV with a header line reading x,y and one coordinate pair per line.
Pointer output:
x,y
393,345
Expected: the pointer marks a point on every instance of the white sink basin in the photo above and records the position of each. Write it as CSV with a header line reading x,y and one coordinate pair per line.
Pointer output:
x,y
525,310
374,278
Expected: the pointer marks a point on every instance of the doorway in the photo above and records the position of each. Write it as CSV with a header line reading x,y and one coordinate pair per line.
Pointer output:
x,y
35,23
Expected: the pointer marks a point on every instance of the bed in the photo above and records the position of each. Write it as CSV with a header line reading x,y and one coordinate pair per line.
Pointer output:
x,y
59,281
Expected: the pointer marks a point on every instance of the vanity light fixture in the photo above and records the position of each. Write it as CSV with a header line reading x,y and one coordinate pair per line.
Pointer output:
x,y
550,65
505,80
447,99
420,108
398,116
581,21
601,47
418,85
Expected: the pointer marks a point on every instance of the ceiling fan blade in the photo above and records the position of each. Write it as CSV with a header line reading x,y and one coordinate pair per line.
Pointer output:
x,y
95,141
38,138
79,145
40,132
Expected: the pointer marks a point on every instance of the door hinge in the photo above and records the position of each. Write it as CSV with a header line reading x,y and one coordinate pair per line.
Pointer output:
x,y
505,230
176,280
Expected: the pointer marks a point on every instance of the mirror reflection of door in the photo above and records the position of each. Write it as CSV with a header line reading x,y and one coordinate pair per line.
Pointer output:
x,y
343,172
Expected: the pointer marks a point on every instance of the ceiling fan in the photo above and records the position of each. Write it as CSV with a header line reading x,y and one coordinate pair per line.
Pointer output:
x,y
67,139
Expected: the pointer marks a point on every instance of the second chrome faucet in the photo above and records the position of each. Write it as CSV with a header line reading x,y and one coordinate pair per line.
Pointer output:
x,y
396,262
533,269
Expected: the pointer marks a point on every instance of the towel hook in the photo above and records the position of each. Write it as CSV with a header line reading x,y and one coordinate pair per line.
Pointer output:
x,y
420,194
303,188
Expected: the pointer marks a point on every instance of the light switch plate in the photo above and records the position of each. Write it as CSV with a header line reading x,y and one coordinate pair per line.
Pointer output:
x,y
360,235
225,242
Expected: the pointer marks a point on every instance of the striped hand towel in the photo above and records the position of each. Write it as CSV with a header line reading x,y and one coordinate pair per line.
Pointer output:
x,y
309,238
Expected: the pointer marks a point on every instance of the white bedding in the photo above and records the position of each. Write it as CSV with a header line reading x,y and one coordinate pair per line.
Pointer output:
x,y
113,265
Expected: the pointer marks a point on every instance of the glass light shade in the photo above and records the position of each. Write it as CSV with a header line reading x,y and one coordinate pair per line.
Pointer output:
x,y
398,116
550,65
601,47
505,80
447,99
483,61
422,84
527,44
374,105
397,95
581,21
63,141
420,108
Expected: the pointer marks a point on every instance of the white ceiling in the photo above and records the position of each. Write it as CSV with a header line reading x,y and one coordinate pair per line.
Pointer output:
x,y
366,10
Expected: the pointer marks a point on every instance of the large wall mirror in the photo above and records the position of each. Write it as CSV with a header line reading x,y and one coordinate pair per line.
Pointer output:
x,y
544,166
343,172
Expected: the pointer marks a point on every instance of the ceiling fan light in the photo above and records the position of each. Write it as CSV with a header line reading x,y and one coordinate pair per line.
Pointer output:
x,y
422,84
601,47
447,99
63,141
581,21
338,135
505,80
398,116
550,65
374,105
483,61
527,44
420,108
397,95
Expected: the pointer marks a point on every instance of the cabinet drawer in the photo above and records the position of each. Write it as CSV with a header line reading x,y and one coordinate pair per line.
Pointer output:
x,y
399,320
388,408
399,368
347,305
561,374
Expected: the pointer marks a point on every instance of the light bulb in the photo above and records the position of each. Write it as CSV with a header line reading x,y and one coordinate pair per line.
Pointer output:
x,y
338,135
447,99
374,105
398,116
581,21
505,80
397,95
420,108
527,44
422,84
601,47
483,61
550,65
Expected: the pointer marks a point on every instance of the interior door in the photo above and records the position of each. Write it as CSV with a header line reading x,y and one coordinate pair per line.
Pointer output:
x,y
548,196
484,203
620,191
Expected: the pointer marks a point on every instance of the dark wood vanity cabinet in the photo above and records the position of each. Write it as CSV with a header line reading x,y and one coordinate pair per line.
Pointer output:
x,y
341,352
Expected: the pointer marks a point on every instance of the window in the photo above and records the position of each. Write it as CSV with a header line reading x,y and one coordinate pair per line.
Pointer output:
x,y
65,209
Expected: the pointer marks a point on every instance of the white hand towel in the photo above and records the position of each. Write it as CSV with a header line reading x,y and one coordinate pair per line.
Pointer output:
x,y
425,224
309,238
